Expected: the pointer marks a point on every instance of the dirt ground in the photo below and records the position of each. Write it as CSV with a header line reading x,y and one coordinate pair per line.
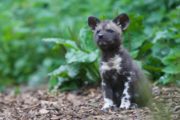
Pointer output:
x,y
84,104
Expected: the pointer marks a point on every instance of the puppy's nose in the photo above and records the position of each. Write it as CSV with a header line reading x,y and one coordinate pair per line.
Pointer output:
x,y
100,36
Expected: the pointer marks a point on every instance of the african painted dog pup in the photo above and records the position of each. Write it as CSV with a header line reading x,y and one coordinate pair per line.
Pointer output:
x,y
121,78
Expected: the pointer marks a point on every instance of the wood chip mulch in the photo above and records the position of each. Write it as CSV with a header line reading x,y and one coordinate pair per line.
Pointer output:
x,y
84,104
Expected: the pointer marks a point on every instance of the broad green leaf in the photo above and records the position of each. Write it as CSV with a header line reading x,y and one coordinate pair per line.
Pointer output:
x,y
165,79
86,40
160,35
52,83
66,43
152,68
69,85
134,53
169,78
92,73
56,82
144,49
68,70
172,69
136,41
173,57
74,56
160,50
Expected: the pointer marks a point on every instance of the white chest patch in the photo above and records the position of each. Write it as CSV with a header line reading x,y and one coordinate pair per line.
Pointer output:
x,y
113,63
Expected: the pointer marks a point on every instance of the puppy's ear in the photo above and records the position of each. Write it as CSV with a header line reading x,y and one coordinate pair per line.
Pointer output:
x,y
92,22
122,20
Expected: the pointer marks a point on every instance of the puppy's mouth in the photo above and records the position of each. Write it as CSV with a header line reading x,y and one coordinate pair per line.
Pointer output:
x,y
102,43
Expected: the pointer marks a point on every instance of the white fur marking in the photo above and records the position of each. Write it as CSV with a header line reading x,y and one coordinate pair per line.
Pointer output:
x,y
113,63
129,78
125,102
132,73
107,103
103,84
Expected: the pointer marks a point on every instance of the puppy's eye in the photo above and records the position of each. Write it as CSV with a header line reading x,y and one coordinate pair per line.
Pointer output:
x,y
110,30
97,31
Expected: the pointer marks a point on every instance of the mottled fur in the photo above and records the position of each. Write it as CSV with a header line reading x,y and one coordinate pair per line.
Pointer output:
x,y
121,78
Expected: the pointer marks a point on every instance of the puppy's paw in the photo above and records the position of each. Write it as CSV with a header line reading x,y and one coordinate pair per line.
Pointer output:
x,y
125,105
106,107
108,104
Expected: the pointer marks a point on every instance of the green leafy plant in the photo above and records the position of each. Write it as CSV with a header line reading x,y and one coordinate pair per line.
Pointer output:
x,y
156,46
80,67
152,38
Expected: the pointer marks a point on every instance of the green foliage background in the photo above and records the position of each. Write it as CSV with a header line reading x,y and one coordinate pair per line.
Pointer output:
x,y
70,55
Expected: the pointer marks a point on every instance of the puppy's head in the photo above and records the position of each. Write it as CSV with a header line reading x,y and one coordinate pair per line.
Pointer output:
x,y
108,34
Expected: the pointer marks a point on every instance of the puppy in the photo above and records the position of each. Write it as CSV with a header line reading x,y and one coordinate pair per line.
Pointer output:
x,y
123,83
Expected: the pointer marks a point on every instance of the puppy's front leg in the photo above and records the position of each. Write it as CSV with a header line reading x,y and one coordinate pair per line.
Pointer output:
x,y
108,96
126,98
